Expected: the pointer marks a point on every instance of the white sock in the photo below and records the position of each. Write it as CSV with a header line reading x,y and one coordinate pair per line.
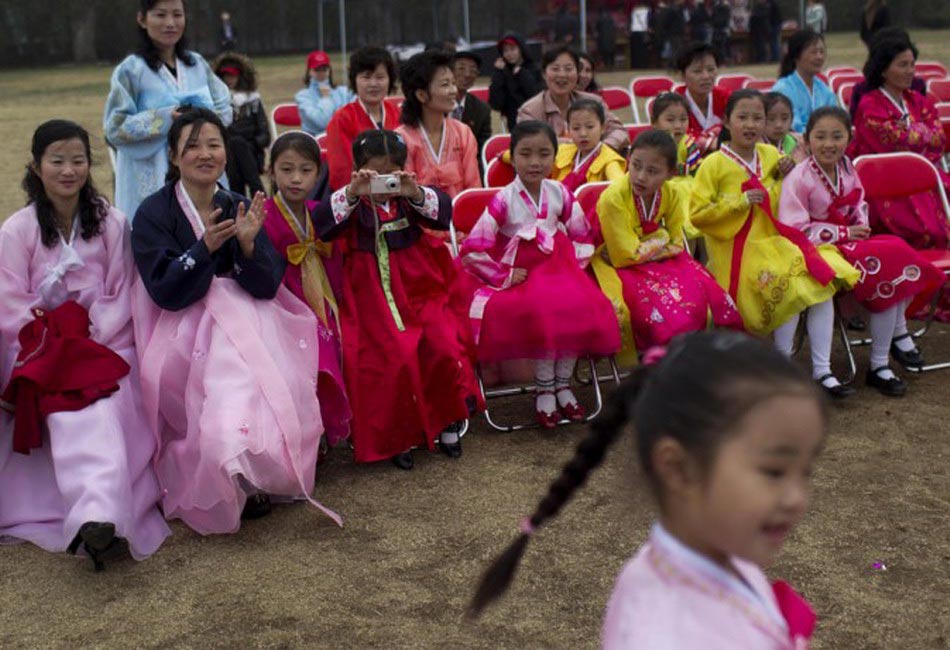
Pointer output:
x,y
563,370
884,373
907,343
449,437
784,336
882,331
820,322
544,384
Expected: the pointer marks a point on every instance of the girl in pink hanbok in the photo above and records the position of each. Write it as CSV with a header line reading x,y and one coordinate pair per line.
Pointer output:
x,y
84,477
229,355
524,288
727,432
314,268
824,198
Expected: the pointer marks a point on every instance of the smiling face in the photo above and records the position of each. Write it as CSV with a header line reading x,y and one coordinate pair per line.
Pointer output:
x,y
200,160
164,23
899,75
561,76
747,122
321,74
511,53
63,169
758,485
372,85
585,129
812,58
441,94
466,72
700,76
649,169
533,159
828,140
778,122
294,175
674,120
585,74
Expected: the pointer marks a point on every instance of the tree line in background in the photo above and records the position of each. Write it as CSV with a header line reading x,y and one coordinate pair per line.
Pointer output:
x,y
41,32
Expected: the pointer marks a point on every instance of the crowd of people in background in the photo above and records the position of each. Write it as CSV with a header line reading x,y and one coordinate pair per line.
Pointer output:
x,y
242,331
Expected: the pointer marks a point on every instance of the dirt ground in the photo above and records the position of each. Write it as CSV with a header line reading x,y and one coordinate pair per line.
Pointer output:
x,y
400,572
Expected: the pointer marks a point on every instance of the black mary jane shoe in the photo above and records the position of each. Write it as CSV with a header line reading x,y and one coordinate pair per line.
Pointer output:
x,y
911,360
100,543
893,387
404,460
838,391
452,449
856,324
256,506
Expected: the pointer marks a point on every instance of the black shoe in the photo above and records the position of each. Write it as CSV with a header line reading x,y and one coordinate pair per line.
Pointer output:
x,y
893,387
452,450
256,506
838,391
404,460
856,324
99,541
911,360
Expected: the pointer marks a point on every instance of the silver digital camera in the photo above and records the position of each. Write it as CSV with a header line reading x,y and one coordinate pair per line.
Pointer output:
x,y
384,184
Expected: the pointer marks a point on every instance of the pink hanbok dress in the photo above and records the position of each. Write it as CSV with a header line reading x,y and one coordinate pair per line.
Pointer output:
x,y
669,597
94,464
229,361
453,168
558,311
314,274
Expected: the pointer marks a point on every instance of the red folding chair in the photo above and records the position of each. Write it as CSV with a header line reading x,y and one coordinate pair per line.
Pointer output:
x,y
842,79
943,110
498,173
479,91
892,176
648,107
732,82
931,67
284,115
467,207
927,75
844,94
831,73
940,89
762,85
397,100
616,98
494,147
644,87
633,130
587,196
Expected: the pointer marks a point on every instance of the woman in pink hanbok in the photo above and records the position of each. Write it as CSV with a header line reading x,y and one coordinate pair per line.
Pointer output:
x,y
229,355
727,432
84,478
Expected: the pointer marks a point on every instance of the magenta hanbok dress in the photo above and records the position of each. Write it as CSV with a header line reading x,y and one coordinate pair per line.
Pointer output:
x,y
229,366
558,311
94,464
314,274
669,597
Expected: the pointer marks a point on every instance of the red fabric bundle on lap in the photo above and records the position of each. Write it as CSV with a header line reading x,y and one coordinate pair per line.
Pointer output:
x,y
59,368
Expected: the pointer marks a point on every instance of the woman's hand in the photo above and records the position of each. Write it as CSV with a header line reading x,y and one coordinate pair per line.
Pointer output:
x,y
518,276
248,224
216,234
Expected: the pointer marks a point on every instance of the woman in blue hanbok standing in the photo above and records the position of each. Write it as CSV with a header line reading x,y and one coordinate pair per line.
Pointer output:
x,y
148,88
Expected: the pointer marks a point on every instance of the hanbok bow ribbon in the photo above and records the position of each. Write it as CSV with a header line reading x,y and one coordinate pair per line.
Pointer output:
x,y
52,288
838,211
796,611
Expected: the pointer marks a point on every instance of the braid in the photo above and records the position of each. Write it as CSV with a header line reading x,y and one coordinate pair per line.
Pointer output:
x,y
590,452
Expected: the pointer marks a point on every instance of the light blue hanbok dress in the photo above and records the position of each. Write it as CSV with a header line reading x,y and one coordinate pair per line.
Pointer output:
x,y
803,101
138,116
316,110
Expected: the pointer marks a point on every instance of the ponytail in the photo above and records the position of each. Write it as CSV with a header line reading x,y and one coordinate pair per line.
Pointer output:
x,y
590,452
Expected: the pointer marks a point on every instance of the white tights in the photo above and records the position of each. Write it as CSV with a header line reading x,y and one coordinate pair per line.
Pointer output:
x,y
551,378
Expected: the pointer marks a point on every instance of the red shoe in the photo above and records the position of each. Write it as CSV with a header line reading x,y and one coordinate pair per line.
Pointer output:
x,y
574,412
548,420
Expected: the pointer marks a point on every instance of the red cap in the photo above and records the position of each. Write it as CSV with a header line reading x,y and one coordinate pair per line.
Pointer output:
x,y
229,70
317,59
507,39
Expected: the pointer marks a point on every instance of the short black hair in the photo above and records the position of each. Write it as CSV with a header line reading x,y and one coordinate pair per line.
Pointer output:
x,y
551,55
374,143
692,51
592,105
797,43
882,55
417,74
471,56
775,97
663,101
531,127
367,59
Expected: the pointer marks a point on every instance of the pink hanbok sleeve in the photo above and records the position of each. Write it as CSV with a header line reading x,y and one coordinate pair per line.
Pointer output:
x,y
111,312
470,174
19,238
796,207
577,227
478,245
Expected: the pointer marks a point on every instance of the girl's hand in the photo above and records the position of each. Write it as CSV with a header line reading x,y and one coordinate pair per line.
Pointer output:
x,y
324,91
500,63
756,197
216,234
248,224
359,183
785,166
408,187
858,232
518,276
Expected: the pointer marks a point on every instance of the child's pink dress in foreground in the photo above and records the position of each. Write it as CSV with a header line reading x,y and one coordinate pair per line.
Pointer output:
x,y
669,597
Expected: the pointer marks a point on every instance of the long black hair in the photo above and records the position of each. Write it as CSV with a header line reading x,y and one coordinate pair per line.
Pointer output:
x,y
374,143
417,74
302,143
593,87
367,59
147,49
93,208
797,43
198,117
696,394
882,55
734,99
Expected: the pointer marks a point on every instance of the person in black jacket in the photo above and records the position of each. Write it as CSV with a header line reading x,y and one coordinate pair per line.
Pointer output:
x,y
721,21
759,31
249,133
516,78
875,17
775,30
470,109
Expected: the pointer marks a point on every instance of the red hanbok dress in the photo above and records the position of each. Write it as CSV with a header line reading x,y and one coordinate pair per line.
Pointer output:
x,y
348,122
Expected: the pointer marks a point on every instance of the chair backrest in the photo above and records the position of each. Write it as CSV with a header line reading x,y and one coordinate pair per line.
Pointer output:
x,y
648,109
494,147
842,79
926,75
891,176
468,206
943,109
322,140
479,91
633,130
946,129
396,99
940,89
844,94
648,86
831,73
498,173
284,115
732,82
763,85
930,67
587,197
616,97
